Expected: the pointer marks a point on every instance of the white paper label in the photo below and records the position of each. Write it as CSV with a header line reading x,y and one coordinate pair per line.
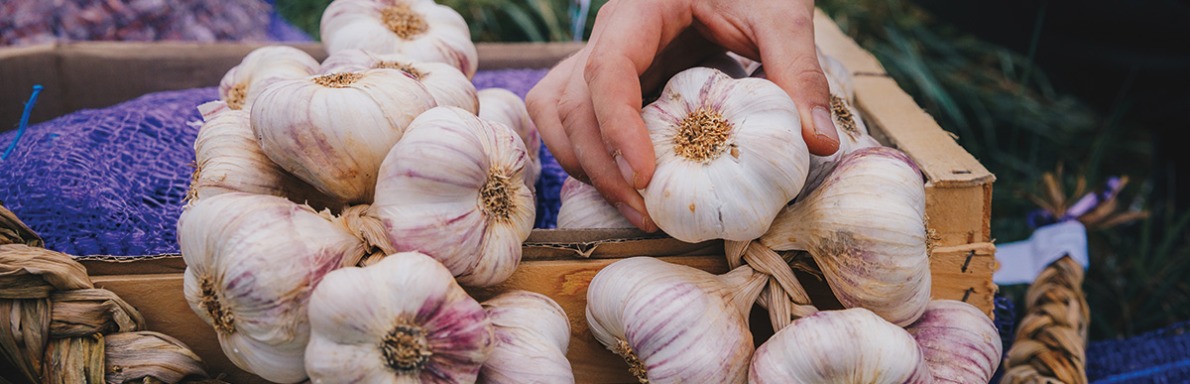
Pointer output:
x,y
1022,261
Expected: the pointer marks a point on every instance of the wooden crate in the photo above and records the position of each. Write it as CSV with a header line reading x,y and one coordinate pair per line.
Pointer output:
x,y
558,263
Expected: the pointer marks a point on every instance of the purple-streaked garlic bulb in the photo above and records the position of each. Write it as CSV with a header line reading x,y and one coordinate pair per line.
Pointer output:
x,y
865,228
532,335
421,29
403,319
674,323
729,153
582,206
332,131
229,159
960,343
504,106
453,188
260,68
447,84
839,346
251,262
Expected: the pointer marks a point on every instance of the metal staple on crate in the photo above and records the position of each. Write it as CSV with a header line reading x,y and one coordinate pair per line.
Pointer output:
x,y
57,327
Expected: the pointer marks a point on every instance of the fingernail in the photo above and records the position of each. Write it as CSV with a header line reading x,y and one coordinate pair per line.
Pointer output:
x,y
824,125
635,217
626,171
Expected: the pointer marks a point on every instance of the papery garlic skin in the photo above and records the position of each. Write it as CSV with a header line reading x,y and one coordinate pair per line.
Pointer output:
x,y
865,228
853,135
839,346
421,29
674,323
532,335
333,131
446,84
251,261
959,342
453,188
729,155
582,206
837,73
403,319
228,158
504,106
260,68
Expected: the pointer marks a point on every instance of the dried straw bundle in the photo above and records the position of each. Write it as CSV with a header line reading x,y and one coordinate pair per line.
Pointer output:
x,y
1051,340
56,327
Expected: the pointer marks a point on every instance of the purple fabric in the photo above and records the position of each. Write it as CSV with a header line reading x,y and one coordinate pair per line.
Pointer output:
x,y
111,181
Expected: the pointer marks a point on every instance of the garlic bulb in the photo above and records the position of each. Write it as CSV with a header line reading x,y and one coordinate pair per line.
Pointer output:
x,y
960,343
453,188
729,155
582,206
229,159
839,346
401,320
332,131
421,29
730,64
853,135
504,106
532,334
446,84
260,68
251,261
865,228
674,323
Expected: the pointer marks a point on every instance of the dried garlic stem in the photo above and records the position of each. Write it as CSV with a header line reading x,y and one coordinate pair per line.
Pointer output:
x,y
496,195
404,67
403,21
405,348
237,95
635,366
338,80
703,136
213,304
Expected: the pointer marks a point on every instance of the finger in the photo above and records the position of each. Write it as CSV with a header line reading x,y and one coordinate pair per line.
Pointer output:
x,y
790,60
626,48
542,102
583,132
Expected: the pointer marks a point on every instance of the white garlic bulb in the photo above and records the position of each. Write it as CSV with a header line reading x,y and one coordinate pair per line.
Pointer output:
x,y
960,343
865,228
673,323
403,319
251,261
453,188
853,135
421,29
504,106
446,84
229,159
839,346
532,335
260,68
582,206
332,131
730,155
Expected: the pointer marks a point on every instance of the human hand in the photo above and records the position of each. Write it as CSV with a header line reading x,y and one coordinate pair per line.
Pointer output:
x,y
587,108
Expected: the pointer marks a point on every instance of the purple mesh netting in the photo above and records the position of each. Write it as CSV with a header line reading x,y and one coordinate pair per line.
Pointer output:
x,y
112,181
106,181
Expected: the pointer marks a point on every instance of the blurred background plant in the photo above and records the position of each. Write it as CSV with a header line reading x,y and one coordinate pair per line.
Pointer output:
x,y
1004,109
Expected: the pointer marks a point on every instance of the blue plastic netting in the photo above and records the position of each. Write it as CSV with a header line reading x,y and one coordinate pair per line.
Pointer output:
x,y
1161,356
111,181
